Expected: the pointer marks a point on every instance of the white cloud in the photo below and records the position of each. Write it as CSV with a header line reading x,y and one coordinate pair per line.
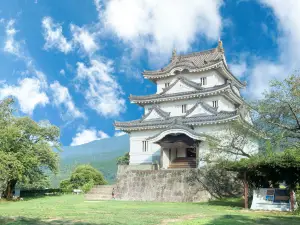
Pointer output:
x,y
54,37
29,94
84,39
119,133
61,96
88,135
288,17
238,69
11,45
62,72
261,74
160,25
103,94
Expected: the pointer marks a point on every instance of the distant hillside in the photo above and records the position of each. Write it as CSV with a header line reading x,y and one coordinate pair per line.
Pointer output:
x,y
101,154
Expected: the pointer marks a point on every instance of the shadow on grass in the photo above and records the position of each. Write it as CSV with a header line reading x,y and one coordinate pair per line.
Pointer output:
x,y
263,220
229,202
37,221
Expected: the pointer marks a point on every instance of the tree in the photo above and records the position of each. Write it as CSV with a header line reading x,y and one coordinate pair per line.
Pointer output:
x,y
267,169
238,140
123,160
83,177
278,112
26,148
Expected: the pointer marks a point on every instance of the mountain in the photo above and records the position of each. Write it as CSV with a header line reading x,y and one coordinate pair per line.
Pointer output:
x,y
101,154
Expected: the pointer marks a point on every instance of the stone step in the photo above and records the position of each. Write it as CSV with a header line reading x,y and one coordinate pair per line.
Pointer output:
x,y
100,192
185,159
184,163
174,166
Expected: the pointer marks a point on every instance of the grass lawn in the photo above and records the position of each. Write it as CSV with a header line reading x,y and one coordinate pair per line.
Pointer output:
x,y
73,210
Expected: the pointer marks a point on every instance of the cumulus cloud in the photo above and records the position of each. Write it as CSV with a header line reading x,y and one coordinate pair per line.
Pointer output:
x,y
61,96
262,71
88,135
29,93
11,45
119,133
62,72
238,69
103,94
85,39
54,37
160,25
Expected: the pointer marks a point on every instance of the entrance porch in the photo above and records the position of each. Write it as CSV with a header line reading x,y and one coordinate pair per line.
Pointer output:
x,y
179,151
179,147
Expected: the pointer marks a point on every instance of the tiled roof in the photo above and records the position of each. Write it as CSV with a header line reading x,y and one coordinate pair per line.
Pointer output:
x,y
158,110
192,60
205,106
195,62
164,123
200,90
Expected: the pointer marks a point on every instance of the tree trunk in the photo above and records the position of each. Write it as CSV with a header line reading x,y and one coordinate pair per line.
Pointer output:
x,y
246,190
8,193
292,200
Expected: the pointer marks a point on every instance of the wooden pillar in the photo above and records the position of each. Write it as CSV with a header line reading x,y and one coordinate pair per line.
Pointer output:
x,y
246,190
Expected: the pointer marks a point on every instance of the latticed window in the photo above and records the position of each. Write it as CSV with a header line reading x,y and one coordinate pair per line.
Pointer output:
x,y
167,85
215,104
203,81
183,108
145,146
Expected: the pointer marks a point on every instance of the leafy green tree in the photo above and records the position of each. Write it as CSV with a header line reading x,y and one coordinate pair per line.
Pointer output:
x,y
278,112
267,169
123,160
26,148
83,177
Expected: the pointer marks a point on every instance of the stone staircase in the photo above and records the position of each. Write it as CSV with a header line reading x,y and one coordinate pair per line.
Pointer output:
x,y
183,163
99,192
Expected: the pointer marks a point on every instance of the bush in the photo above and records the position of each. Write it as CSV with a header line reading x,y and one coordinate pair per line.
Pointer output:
x,y
88,186
123,160
66,186
41,192
83,177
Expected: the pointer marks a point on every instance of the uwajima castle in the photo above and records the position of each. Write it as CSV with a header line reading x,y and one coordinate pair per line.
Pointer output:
x,y
196,96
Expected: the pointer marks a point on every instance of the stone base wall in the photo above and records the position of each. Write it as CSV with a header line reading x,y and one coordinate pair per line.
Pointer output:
x,y
160,185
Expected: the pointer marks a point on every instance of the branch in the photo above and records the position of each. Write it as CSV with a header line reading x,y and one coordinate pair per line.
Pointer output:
x,y
298,122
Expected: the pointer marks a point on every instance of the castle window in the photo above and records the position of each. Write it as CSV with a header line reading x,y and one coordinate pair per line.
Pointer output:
x,y
203,81
167,85
183,108
145,146
215,104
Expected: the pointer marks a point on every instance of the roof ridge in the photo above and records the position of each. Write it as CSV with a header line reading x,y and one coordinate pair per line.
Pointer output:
x,y
212,50
159,111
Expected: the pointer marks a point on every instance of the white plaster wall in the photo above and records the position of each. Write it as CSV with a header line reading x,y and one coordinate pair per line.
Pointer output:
x,y
153,115
223,103
137,156
175,107
213,78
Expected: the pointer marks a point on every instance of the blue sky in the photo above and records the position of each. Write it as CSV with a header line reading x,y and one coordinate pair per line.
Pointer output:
x,y
75,63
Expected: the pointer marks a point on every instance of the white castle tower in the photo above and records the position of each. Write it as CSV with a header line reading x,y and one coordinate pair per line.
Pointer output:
x,y
196,97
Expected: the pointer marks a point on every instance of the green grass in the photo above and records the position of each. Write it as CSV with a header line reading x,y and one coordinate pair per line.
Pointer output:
x,y
73,210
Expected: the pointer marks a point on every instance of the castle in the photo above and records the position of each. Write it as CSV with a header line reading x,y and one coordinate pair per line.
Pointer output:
x,y
196,97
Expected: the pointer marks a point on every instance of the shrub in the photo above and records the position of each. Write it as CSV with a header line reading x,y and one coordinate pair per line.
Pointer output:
x,y
88,186
123,160
83,177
